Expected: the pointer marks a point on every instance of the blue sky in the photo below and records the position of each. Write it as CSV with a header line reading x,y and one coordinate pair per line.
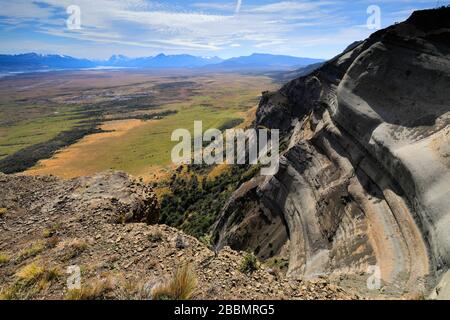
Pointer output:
x,y
226,28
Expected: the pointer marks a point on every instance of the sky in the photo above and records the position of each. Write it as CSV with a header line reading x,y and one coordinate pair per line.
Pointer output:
x,y
225,28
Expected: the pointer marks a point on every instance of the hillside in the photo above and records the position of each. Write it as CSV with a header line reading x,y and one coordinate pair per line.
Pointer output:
x,y
103,225
365,177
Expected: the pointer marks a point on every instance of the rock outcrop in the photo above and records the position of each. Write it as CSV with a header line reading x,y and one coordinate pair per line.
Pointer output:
x,y
365,180
115,196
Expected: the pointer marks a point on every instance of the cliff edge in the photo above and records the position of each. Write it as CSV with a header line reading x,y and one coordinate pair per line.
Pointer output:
x,y
365,178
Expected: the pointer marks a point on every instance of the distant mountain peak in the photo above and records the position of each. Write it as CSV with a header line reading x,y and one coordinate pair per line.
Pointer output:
x,y
34,61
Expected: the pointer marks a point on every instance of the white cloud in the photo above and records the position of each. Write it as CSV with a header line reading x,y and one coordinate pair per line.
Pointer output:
x,y
202,26
286,6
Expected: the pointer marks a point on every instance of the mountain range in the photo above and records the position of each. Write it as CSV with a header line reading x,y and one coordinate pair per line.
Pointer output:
x,y
37,62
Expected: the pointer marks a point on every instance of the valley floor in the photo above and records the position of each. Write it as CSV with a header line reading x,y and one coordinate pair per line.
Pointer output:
x,y
133,112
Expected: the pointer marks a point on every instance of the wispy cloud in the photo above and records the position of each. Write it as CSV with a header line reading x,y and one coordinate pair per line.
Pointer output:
x,y
288,6
219,26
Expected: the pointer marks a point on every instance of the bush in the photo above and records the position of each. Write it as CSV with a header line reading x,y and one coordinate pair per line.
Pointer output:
x,y
155,236
180,287
207,240
249,264
194,202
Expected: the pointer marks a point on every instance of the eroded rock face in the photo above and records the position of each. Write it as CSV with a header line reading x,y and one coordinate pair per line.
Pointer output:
x,y
366,178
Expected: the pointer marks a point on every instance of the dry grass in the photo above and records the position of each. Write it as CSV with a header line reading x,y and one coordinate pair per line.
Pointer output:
x,y
3,211
155,236
31,279
52,242
130,289
37,271
79,244
50,232
75,248
180,287
4,258
32,251
109,286
415,296
93,291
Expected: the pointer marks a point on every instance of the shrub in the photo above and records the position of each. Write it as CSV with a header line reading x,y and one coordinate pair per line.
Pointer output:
x,y
194,202
155,236
3,211
180,287
207,240
249,264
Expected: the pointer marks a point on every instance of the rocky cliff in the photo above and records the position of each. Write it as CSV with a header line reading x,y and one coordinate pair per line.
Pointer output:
x,y
365,179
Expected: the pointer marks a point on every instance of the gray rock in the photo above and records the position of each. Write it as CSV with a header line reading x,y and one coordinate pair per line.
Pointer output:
x,y
366,178
181,242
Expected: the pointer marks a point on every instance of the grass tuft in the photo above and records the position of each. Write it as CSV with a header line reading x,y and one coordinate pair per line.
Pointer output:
x,y
93,291
180,287
51,231
31,279
155,236
4,258
3,212
38,272
75,248
249,264
32,251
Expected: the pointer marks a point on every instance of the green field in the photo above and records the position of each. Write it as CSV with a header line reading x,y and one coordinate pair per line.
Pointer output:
x,y
17,136
141,148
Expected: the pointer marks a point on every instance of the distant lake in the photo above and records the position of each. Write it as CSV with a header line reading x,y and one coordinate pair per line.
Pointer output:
x,y
14,73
